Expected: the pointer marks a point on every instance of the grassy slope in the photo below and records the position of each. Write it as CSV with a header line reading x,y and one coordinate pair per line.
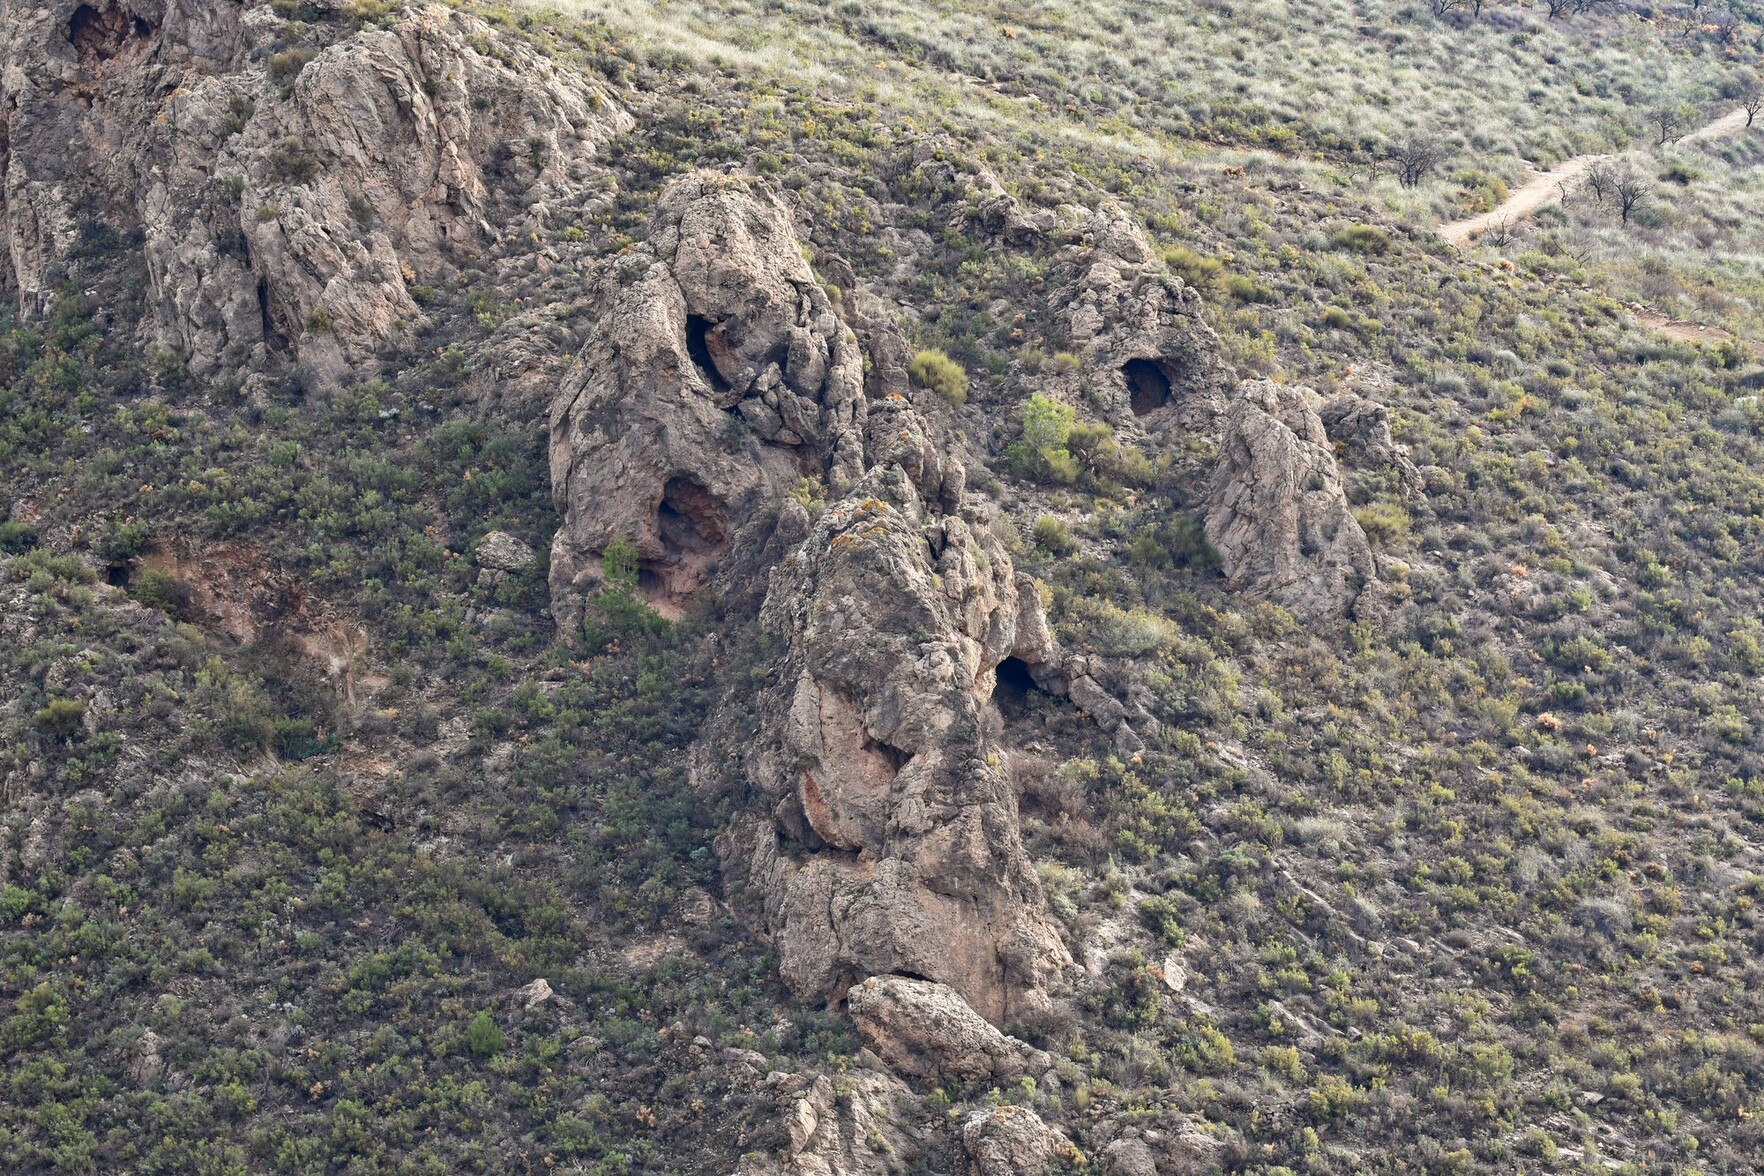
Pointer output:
x,y
1430,881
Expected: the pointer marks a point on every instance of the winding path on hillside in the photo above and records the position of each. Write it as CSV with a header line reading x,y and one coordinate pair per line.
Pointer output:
x,y
1548,187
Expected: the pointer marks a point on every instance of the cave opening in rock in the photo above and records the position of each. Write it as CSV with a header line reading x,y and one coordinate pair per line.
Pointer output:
x,y
1148,384
892,757
99,34
688,521
690,531
1014,683
698,331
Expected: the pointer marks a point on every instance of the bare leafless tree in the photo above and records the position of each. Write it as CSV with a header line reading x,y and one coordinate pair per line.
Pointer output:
x,y
1443,8
1561,7
1751,96
1414,157
1600,181
1630,190
1670,122
1499,234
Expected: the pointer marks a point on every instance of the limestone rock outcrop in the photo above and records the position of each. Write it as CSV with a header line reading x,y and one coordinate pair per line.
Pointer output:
x,y
927,1030
717,378
894,845
290,199
1277,512
1139,334
1013,1141
1360,429
858,1128
719,382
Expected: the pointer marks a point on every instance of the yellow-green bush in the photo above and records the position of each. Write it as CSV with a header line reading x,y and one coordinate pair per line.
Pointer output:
x,y
935,370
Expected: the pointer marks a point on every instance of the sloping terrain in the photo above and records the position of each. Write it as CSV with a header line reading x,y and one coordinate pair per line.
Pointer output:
x,y
866,588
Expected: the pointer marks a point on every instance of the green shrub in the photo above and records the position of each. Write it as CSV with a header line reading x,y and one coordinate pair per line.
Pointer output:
x,y
1385,523
285,66
1190,266
1367,239
16,538
62,718
292,163
1247,289
483,1037
1052,535
1041,452
156,589
933,369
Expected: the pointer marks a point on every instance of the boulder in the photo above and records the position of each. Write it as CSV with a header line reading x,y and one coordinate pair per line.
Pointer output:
x,y
857,1125
1360,431
1276,510
1013,1141
927,1030
1128,1157
502,552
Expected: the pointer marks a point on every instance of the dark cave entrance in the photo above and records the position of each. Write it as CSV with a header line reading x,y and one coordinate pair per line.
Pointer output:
x,y
1148,384
690,531
698,346
98,35
1013,687
689,521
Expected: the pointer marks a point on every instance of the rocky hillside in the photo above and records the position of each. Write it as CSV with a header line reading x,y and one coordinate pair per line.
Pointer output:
x,y
584,590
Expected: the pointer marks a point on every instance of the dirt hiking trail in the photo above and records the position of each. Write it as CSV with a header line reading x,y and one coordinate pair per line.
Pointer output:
x,y
1547,187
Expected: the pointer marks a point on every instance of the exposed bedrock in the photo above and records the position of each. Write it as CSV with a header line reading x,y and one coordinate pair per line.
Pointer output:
x,y
719,381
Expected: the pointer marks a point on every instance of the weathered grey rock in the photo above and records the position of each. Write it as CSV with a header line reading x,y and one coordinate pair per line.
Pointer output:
x,y
718,377
276,219
1277,512
1139,334
859,1127
1360,429
502,552
1128,1157
894,845
146,1066
927,1030
718,381
530,996
1012,1141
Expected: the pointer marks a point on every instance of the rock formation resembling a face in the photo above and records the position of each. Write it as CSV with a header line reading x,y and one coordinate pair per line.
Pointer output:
x,y
1138,332
718,377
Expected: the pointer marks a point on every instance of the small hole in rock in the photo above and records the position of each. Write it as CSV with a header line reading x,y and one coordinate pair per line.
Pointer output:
x,y
1148,385
698,347
117,575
